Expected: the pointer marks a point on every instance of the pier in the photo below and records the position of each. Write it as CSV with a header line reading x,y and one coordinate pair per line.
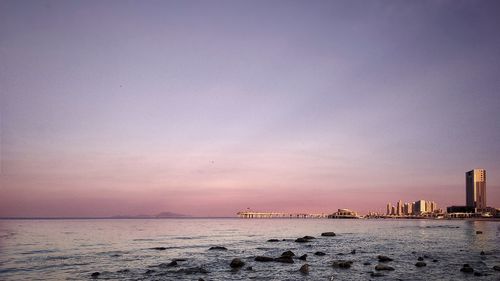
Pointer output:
x,y
272,215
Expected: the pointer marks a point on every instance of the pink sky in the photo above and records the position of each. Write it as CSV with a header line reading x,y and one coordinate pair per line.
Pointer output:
x,y
207,108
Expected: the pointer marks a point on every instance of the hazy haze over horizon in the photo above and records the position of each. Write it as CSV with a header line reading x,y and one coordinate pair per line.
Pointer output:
x,y
209,107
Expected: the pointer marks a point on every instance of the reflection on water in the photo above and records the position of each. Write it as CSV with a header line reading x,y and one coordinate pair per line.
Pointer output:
x,y
141,249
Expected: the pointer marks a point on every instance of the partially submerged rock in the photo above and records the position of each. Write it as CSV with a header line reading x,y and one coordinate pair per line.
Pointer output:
x,y
217,248
420,264
95,274
288,254
159,248
236,263
263,259
383,267
284,259
319,254
328,234
303,257
304,269
382,258
466,268
193,270
342,264
273,240
170,264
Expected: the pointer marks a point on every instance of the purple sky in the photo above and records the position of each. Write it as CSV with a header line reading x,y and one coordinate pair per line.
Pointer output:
x,y
209,107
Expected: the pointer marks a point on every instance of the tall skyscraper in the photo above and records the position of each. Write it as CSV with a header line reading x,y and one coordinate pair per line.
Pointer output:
x,y
475,188
389,208
400,208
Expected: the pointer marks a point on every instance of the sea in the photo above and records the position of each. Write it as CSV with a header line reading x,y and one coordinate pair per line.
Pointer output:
x,y
142,249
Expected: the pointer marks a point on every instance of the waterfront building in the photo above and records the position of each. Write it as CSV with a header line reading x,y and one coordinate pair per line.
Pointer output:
x,y
389,208
420,207
400,208
475,189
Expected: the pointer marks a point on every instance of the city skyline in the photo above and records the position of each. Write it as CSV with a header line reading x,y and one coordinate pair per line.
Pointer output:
x,y
209,107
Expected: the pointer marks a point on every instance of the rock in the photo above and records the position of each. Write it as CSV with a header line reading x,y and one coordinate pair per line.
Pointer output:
x,y
367,263
193,270
288,254
328,234
273,240
236,263
284,259
340,254
342,264
170,264
304,269
301,240
249,268
482,253
263,259
217,248
303,257
159,248
309,237
467,269
479,232
384,258
126,270
376,274
95,274
420,259
319,254
496,267
420,264
201,279
426,257
434,260
413,252
383,267
353,252
477,273
178,260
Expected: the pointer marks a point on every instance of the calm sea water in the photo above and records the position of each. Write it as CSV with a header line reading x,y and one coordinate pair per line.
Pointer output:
x,y
122,249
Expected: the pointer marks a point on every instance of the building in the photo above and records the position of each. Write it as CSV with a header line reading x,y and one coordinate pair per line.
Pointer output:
x,y
389,208
400,208
475,189
420,207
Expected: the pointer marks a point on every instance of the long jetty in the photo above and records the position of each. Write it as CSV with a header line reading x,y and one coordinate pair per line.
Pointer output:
x,y
271,215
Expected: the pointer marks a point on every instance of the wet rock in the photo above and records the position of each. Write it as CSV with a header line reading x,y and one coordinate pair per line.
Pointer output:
x,y
383,267
367,263
95,274
496,267
353,252
159,248
420,259
342,264
420,264
309,237
284,259
263,259
288,254
201,279
376,274
413,252
382,258
303,257
193,270
426,257
217,248
249,268
328,234
477,273
273,240
170,264
236,263
301,240
319,254
479,232
482,253
304,269
467,269
434,260
340,254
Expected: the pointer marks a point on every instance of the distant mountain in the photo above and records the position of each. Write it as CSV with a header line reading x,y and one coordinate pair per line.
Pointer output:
x,y
158,216
170,215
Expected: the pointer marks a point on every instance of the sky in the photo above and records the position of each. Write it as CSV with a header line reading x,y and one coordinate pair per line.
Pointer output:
x,y
207,108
